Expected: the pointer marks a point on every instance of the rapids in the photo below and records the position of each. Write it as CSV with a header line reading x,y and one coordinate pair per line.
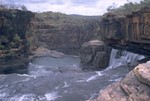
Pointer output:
x,y
61,79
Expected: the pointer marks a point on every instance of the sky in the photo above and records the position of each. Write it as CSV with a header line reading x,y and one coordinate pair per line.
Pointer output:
x,y
81,7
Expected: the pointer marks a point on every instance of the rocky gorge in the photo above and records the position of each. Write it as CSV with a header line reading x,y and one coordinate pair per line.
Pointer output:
x,y
92,38
64,33
131,33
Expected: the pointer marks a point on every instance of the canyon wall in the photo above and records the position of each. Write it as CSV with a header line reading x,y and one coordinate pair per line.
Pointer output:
x,y
14,46
22,32
131,32
64,33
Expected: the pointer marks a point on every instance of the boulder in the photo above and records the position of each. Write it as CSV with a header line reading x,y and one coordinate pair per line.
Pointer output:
x,y
143,73
134,87
94,54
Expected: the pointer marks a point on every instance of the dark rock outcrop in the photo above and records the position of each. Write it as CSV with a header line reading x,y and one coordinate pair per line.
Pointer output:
x,y
134,87
131,32
64,33
94,54
14,44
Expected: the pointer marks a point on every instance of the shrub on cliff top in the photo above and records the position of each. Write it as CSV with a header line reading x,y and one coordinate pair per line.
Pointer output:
x,y
16,38
128,7
12,5
24,8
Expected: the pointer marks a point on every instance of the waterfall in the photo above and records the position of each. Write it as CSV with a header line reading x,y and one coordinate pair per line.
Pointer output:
x,y
123,58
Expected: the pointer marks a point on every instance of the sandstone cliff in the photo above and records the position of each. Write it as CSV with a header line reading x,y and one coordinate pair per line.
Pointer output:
x,y
134,87
65,33
131,32
14,39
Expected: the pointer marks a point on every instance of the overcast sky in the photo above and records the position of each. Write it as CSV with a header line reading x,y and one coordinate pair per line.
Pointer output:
x,y
82,7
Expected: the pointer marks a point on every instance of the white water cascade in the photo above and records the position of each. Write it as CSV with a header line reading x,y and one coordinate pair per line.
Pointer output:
x,y
123,58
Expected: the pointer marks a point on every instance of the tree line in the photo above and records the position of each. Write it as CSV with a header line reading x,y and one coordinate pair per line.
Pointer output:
x,y
128,7
12,5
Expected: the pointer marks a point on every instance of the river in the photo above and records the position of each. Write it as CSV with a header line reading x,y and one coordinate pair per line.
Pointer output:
x,y
61,79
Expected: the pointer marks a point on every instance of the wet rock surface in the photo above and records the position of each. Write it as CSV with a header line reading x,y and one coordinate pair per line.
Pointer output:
x,y
134,87
14,66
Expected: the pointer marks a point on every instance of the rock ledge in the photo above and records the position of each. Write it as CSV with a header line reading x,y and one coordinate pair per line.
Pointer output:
x,y
134,87
39,52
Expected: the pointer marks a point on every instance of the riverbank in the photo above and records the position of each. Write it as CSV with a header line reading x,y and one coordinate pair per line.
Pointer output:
x,y
134,87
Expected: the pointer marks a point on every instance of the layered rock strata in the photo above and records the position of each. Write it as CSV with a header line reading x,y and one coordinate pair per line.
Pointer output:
x,y
64,33
134,87
130,32
94,54
14,43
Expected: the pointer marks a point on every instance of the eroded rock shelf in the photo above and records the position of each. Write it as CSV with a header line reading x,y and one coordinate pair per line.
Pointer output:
x,y
134,87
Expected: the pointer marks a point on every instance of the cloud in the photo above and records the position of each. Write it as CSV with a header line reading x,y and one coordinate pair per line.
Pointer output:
x,y
57,2
37,1
13,1
82,7
84,2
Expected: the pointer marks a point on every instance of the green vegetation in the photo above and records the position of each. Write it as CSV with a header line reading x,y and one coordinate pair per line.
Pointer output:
x,y
12,5
16,38
128,7
24,8
58,19
1,47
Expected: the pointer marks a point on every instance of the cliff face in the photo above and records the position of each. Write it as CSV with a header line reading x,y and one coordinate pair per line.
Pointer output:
x,y
13,39
132,31
65,33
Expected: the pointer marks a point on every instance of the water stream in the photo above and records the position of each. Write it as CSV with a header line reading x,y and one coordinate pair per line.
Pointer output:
x,y
61,79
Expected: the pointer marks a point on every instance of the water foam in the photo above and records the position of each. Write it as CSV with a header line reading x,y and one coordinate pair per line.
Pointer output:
x,y
65,85
51,96
122,58
23,75
25,97
99,73
35,66
116,80
94,77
